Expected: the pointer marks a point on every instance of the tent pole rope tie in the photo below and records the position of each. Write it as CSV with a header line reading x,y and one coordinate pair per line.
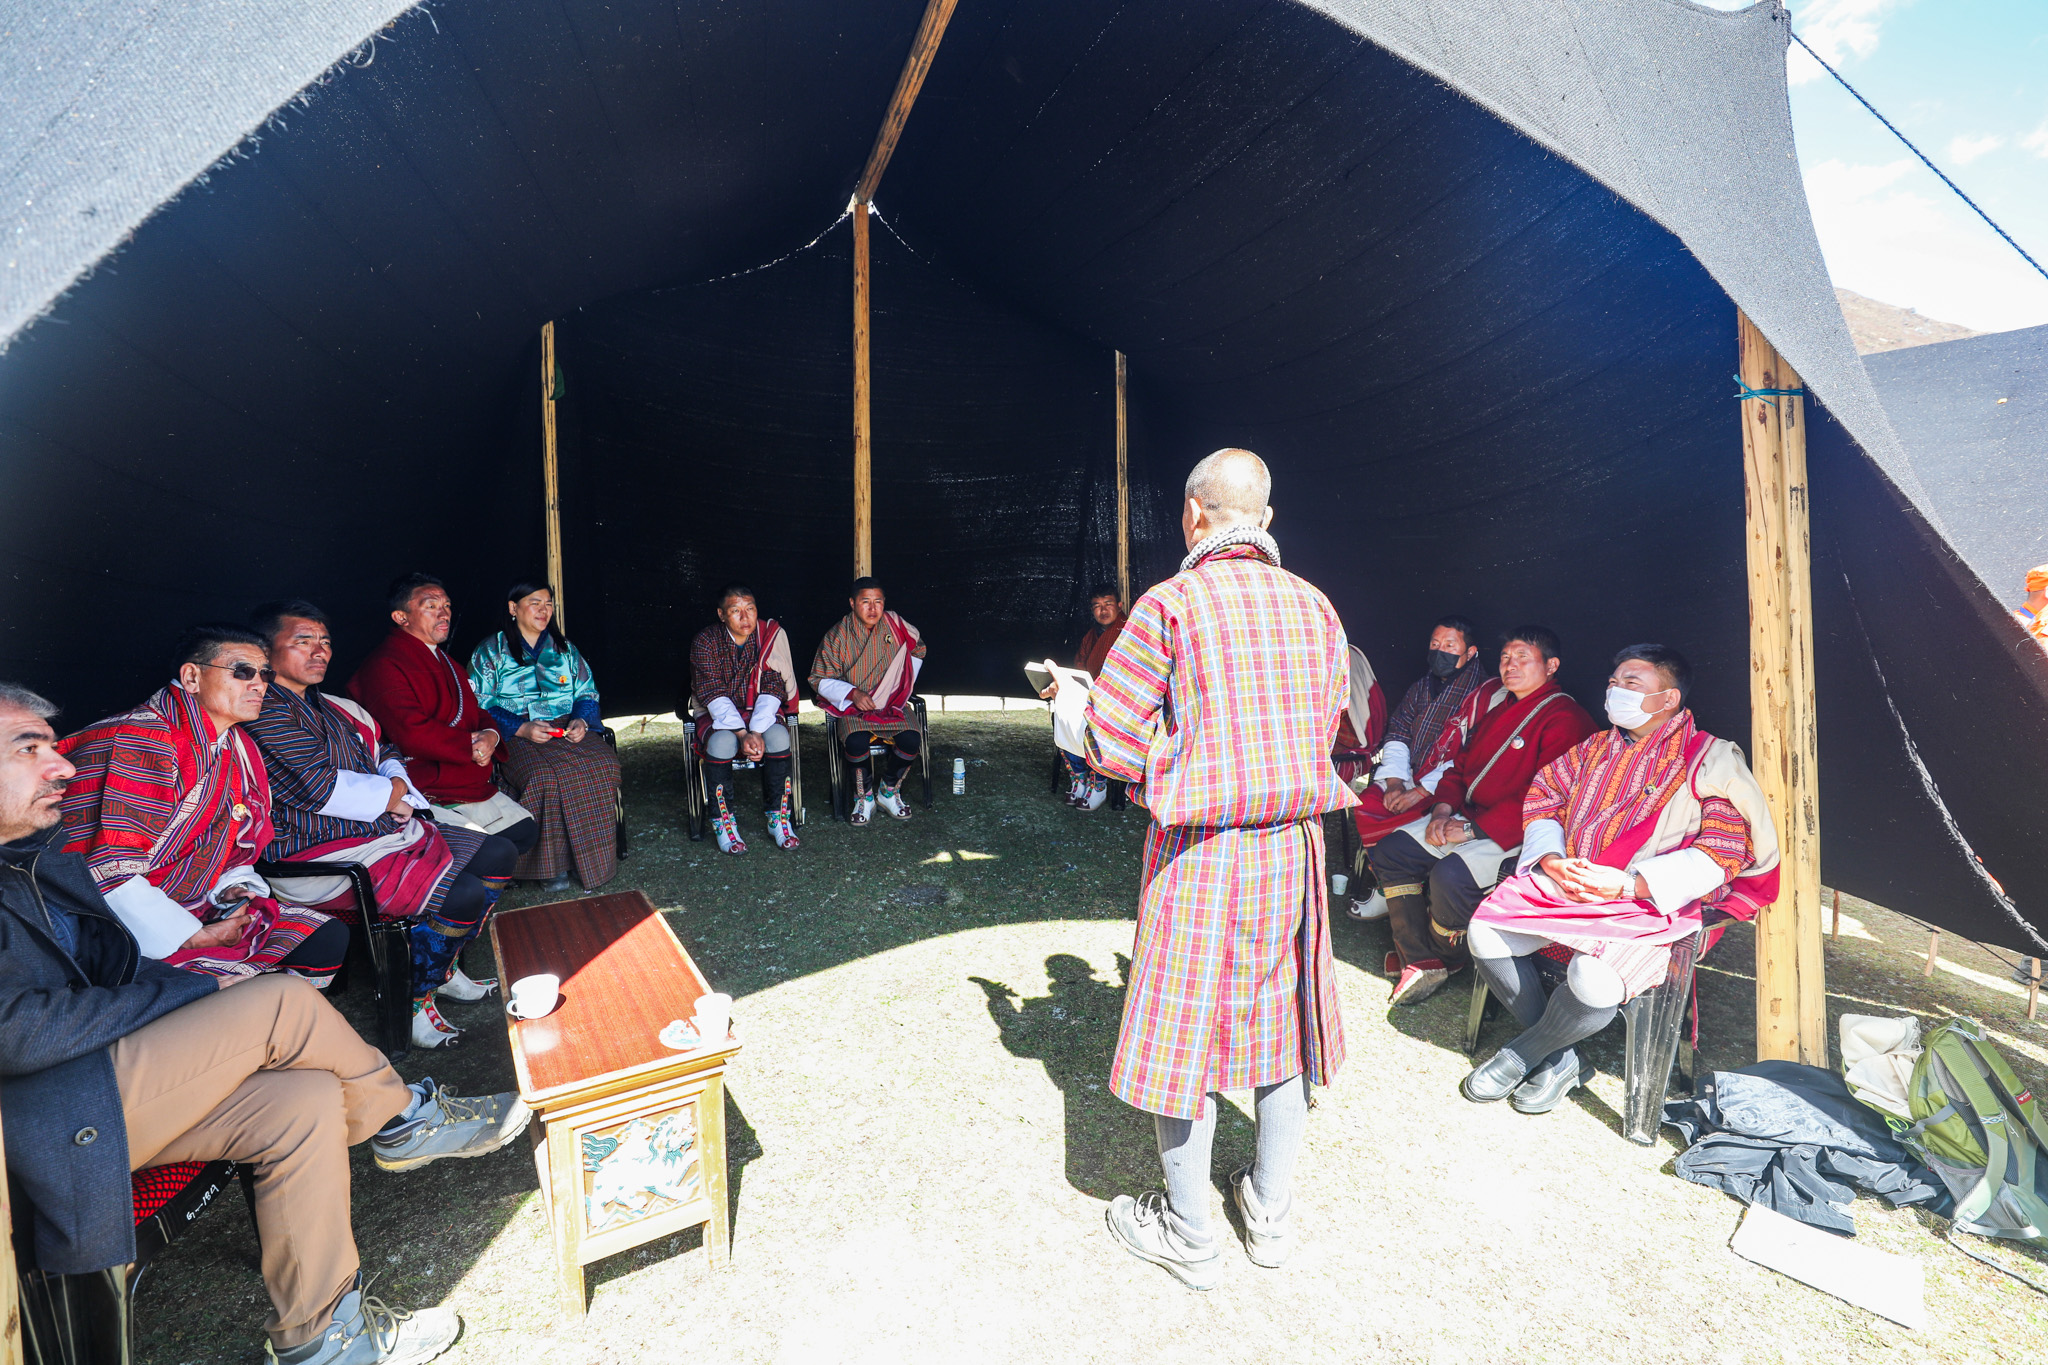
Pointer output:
x,y
1770,396
2042,270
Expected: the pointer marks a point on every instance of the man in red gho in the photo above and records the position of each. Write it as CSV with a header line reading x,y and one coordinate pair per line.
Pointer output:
x,y
1085,789
1632,840
1423,735
1435,869
1231,981
423,702
742,677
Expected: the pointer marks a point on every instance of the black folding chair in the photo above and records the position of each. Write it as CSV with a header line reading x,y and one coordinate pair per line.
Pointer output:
x,y
697,784
386,942
842,772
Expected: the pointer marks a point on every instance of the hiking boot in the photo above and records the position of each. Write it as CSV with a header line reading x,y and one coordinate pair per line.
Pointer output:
x,y
447,1124
1148,1230
891,799
429,1029
459,986
1372,907
1494,1079
1419,981
367,1331
1268,1240
1546,1088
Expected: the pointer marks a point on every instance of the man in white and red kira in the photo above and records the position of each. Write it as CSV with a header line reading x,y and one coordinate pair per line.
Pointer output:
x,y
742,679
1645,834
1435,869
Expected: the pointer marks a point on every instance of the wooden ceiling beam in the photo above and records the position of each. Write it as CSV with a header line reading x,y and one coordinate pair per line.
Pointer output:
x,y
915,67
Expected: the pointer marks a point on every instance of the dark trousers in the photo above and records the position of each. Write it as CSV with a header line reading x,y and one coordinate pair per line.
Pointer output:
x,y
902,753
1450,895
774,781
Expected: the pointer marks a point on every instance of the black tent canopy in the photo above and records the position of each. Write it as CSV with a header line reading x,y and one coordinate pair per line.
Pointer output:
x,y
1465,271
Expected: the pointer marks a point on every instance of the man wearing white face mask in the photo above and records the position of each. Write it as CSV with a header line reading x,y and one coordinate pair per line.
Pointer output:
x,y
1631,842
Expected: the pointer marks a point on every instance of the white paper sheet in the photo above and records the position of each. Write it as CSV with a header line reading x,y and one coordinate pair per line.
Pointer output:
x,y
1888,1285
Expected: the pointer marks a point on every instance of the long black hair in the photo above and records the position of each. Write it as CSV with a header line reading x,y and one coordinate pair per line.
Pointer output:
x,y
515,639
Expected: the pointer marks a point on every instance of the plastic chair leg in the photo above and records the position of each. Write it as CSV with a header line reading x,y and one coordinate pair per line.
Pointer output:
x,y
1653,1020
1475,1015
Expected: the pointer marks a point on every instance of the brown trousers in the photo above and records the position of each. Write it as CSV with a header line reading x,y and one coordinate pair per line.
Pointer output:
x,y
266,1072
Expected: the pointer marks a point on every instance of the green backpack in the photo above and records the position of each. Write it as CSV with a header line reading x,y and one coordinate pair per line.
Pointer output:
x,y
1979,1129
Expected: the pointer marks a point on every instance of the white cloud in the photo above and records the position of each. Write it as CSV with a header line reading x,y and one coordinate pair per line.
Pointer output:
x,y
1966,148
2037,141
1885,238
1838,30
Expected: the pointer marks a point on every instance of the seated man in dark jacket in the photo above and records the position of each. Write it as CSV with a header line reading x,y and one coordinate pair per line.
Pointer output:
x,y
110,1061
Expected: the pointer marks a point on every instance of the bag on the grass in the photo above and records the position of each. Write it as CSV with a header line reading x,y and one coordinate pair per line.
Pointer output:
x,y
1979,1129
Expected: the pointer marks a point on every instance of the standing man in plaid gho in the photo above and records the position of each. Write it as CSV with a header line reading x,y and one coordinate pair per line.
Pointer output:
x,y
1231,983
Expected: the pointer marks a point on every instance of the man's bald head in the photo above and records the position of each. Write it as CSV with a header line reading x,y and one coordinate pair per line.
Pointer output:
x,y
1231,490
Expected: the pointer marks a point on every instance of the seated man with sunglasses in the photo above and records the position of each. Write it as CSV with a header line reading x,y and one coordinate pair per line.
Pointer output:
x,y
171,810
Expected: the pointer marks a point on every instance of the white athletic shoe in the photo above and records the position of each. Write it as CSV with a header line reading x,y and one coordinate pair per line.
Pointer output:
x,y
1372,907
1146,1228
1269,1241
459,986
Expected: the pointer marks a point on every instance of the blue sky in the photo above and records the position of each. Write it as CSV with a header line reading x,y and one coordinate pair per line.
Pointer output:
x,y
1967,81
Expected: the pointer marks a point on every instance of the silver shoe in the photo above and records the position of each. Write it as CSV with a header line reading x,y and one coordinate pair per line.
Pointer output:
x,y
1145,1228
367,1331
1268,1240
450,1125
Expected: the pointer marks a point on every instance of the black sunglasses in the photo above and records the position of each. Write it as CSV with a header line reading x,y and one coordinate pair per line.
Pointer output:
x,y
244,671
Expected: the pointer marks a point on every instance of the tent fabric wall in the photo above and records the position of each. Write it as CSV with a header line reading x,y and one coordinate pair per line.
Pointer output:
x,y
1466,272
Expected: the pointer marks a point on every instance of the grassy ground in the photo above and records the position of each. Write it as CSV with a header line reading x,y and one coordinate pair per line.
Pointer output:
x,y
922,1139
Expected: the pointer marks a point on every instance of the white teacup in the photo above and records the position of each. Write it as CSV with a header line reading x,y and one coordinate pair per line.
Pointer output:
x,y
714,1018
533,996
1339,881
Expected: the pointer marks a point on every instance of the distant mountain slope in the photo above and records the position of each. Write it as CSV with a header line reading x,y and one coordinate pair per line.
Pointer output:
x,y
1878,326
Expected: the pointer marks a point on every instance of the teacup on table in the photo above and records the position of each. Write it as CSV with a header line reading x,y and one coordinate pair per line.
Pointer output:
x,y
533,996
713,1019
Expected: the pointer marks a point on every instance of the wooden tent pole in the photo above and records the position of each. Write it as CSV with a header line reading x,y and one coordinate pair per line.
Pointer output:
x,y
553,491
1123,489
915,67
1791,990
863,435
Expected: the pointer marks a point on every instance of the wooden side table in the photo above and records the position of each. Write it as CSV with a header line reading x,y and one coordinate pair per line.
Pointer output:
x,y
628,1134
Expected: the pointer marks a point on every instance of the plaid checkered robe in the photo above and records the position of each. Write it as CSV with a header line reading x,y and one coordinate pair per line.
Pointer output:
x,y
1219,704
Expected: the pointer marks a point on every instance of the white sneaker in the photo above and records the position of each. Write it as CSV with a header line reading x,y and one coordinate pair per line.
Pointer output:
x,y
891,799
1269,1241
459,986
1372,907
1146,1229
429,1029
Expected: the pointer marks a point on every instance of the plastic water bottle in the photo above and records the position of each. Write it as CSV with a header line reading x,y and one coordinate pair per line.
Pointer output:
x,y
959,777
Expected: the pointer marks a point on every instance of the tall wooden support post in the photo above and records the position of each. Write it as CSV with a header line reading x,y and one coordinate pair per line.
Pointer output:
x,y
10,1291
554,484
1791,990
1123,489
863,434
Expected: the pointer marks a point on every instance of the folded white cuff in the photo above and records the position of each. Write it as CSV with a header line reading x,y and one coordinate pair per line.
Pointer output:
x,y
916,667
1539,841
766,709
1394,762
160,924
392,767
835,690
1678,878
240,876
362,797
1434,776
724,715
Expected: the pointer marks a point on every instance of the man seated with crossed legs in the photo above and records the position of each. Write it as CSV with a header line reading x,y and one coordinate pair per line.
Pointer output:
x,y
1630,839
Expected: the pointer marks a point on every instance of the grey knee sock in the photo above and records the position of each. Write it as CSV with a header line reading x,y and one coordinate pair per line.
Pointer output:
x,y
1566,1019
1282,1112
1514,981
1184,1147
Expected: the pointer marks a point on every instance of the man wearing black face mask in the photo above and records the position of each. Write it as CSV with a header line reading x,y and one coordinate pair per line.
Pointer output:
x,y
1424,734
